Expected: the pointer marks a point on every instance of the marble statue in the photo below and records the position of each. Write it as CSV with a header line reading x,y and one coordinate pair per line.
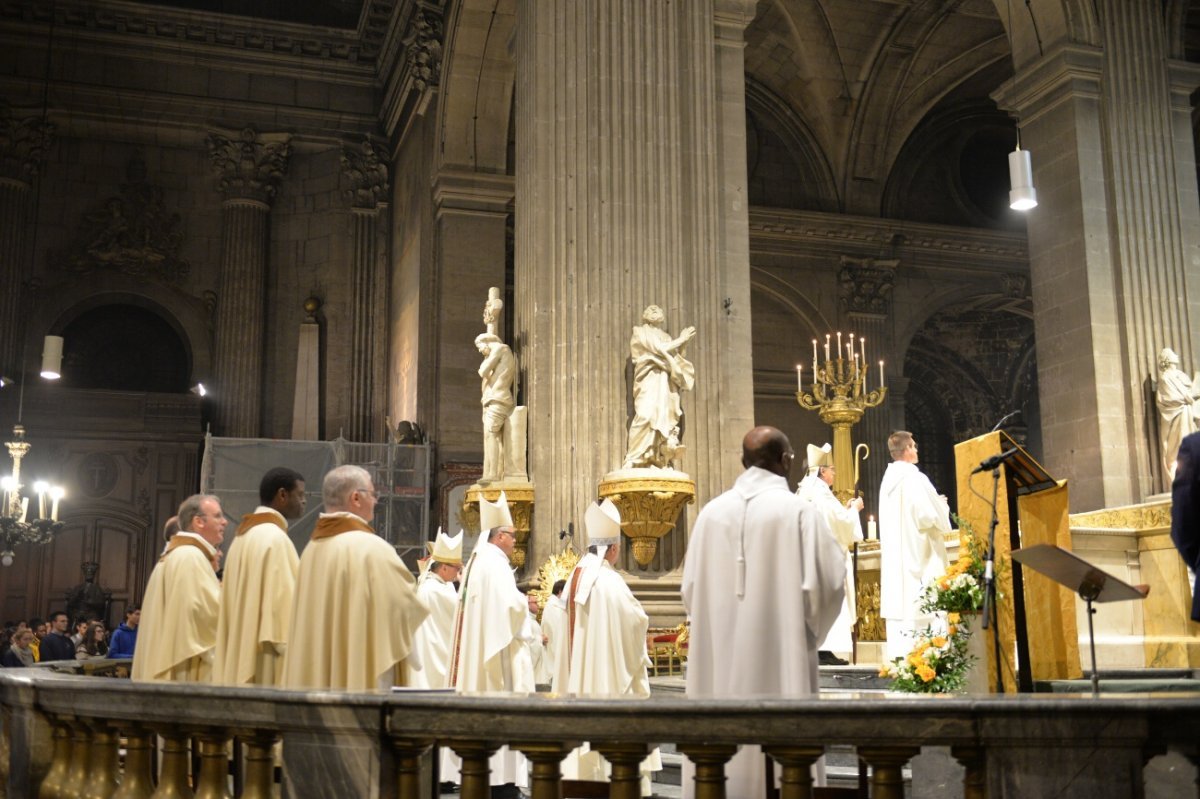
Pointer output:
x,y
492,309
1178,400
497,372
660,373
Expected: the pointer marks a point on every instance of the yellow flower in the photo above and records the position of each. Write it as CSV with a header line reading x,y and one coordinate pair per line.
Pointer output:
x,y
926,674
954,628
939,641
885,671
952,618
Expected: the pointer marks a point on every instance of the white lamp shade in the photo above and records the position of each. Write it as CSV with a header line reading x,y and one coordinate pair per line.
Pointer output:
x,y
1022,196
52,357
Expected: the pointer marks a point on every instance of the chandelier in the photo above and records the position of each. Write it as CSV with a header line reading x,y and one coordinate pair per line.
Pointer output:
x,y
16,527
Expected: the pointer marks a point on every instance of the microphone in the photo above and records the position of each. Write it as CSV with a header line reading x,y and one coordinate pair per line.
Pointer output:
x,y
995,461
1004,419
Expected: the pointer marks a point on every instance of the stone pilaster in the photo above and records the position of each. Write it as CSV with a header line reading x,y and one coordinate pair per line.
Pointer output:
x,y
1114,254
865,292
24,138
629,193
367,172
250,166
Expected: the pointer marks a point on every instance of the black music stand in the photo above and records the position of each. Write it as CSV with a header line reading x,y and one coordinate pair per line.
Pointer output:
x,y
1092,584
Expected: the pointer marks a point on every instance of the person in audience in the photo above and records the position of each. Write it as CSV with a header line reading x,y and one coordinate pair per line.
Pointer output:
x,y
21,652
124,638
57,644
93,644
38,628
80,628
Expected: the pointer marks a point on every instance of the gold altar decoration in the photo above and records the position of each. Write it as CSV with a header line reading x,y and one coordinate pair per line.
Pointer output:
x,y
840,395
520,504
554,568
649,508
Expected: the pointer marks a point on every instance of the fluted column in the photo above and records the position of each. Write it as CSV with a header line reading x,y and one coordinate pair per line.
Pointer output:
x,y
250,166
626,187
1114,245
368,176
24,138
865,286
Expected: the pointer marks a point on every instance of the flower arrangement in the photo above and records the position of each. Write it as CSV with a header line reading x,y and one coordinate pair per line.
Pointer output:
x,y
937,664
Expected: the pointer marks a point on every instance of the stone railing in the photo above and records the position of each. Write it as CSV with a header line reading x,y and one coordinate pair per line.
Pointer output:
x,y
62,733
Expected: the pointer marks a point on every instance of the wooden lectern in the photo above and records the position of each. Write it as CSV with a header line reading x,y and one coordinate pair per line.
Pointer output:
x,y
1038,636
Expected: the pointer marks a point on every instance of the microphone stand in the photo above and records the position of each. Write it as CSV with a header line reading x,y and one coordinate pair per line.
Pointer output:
x,y
989,580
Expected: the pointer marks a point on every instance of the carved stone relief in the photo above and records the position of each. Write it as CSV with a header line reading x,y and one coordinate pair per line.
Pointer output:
x,y
250,164
366,168
865,284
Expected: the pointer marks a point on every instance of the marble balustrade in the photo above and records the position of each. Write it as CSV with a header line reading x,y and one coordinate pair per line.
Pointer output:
x,y
62,733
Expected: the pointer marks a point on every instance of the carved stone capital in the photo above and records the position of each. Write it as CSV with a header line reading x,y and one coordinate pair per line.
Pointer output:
x,y
24,139
865,284
1015,285
250,164
364,165
423,46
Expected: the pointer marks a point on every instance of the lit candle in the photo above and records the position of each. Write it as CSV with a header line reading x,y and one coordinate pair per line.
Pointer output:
x,y
872,528
814,353
24,508
799,379
881,383
826,348
40,487
56,494
839,349
862,345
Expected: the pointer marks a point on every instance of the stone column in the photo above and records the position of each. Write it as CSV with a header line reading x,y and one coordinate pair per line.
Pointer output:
x,y
368,175
865,287
250,166
630,191
1115,257
24,138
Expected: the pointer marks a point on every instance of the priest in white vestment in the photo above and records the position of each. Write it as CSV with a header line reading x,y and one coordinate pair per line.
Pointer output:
x,y
913,521
554,625
535,643
487,633
761,566
844,521
259,585
179,609
608,637
356,611
434,637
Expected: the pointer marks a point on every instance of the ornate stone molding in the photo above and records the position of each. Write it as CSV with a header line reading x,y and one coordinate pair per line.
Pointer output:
x,y
1015,285
250,164
25,136
366,168
133,233
423,50
1137,518
865,284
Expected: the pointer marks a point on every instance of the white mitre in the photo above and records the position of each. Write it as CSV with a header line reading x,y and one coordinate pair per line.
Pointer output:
x,y
494,514
447,549
818,457
602,523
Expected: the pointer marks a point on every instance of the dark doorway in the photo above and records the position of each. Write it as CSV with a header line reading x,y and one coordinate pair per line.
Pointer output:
x,y
124,348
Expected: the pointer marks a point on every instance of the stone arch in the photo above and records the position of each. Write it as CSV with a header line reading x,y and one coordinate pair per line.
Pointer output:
x,y
812,170
788,296
188,316
1038,25
477,86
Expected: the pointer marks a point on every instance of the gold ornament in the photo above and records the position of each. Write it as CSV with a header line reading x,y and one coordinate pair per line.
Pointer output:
x,y
649,508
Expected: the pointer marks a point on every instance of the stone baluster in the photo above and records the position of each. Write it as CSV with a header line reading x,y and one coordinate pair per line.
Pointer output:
x,y
250,167
367,171
259,780
213,780
176,757
474,772
138,781
626,779
974,760
24,138
888,763
60,763
546,757
408,765
710,760
81,750
796,762
101,779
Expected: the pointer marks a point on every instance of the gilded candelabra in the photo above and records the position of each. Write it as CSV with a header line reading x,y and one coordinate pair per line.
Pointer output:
x,y
840,395
15,525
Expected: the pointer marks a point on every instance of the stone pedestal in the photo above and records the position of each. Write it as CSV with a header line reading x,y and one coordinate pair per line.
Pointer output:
x,y
520,504
650,501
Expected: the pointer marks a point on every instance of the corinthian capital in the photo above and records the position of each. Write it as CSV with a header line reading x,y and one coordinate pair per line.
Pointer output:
x,y
25,136
865,284
250,164
367,171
